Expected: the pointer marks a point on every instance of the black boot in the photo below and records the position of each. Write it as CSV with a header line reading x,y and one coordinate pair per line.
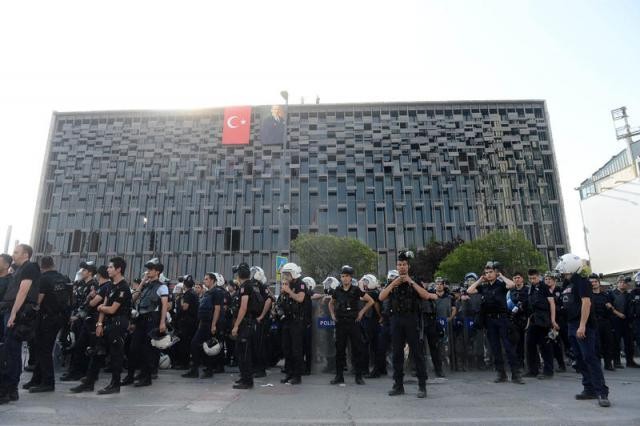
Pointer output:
x,y
128,380
192,373
397,389
422,391
501,377
359,380
338,379
516,377
84,386
111,388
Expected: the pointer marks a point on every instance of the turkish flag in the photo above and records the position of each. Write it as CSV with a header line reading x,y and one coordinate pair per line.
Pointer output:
x,y
237,125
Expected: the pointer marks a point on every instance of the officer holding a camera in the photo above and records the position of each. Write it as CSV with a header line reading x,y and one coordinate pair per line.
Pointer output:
x,y
405,294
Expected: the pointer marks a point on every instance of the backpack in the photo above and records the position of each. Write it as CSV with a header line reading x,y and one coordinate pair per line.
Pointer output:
x,y
62,294
256,301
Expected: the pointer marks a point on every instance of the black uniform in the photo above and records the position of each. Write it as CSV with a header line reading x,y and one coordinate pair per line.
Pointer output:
x,y
55,288
604,325
187,325
431,332
560,344
346,302
115,329
622,327
405,313
539,327
246,334
293,326
203,332
83,326
494,311
518,315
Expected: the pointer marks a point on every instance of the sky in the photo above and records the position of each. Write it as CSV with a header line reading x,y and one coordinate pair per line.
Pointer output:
x,y
582,57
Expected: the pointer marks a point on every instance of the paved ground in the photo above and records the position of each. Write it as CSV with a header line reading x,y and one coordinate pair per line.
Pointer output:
x,y
462,398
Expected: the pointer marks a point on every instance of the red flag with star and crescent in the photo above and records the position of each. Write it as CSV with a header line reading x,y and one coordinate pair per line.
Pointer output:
x,y
237,125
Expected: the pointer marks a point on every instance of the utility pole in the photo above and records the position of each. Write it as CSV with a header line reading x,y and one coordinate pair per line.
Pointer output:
x,y
624,131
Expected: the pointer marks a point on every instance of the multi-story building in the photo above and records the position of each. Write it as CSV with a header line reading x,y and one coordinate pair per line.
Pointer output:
x,y
393,175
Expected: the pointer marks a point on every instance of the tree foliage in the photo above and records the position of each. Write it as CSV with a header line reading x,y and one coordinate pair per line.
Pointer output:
x,y
426,262
511,249
324,255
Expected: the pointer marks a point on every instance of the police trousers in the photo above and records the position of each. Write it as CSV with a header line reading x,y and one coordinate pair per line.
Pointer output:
x,y
498,336
202,334
142,355
587,361
46,332
115,330
537,340
292,336
349,330
244,347
431,334
404,330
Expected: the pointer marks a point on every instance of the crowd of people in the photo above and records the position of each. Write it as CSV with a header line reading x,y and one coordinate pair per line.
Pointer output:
x,y
100,323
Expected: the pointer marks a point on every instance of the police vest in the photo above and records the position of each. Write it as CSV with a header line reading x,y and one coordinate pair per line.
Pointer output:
x,y
404,300
149,300
600,309
634,304
494,300
347,302
291,308
205,307
539,306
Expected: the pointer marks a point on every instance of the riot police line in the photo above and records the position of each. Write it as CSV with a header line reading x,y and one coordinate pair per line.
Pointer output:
x,y
100,323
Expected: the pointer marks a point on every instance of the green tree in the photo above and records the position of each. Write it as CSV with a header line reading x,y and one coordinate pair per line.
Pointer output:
x,y
324,255
511,249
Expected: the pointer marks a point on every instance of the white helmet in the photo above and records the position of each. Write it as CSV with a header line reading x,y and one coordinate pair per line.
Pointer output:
x,y
257,273
165,362
370,282
330,283
219,279
569,264
636,277
392,275
310,282
134,313
178,289
211,347
291,268
162,343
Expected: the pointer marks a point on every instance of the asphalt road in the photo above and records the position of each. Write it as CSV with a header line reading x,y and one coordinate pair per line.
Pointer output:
x,y
461,398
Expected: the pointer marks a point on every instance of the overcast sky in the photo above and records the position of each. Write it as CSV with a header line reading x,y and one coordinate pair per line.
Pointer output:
x,y
582,57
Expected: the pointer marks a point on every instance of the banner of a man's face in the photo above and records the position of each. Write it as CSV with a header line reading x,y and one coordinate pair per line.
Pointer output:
x,y
273,128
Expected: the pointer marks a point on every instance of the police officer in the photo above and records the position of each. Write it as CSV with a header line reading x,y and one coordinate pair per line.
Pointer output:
x,y
18,309
431,330
244,325
205,319
263,323
187,319
371,323
152,303
112,324
476,323
622,324
493,287
542,317
518,304
557,342
346,315
82,325
291,303
603,310
634,309
405,295
576,299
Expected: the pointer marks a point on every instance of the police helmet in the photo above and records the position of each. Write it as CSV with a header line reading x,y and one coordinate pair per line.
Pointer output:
x,y
471,276
257,273
155,265
370,282
569,264
212,347
89,265
292,269
392,275
310,282
179,288
219,279
347,270
405,255
134,314
164,362
330,283
160,340
188,281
